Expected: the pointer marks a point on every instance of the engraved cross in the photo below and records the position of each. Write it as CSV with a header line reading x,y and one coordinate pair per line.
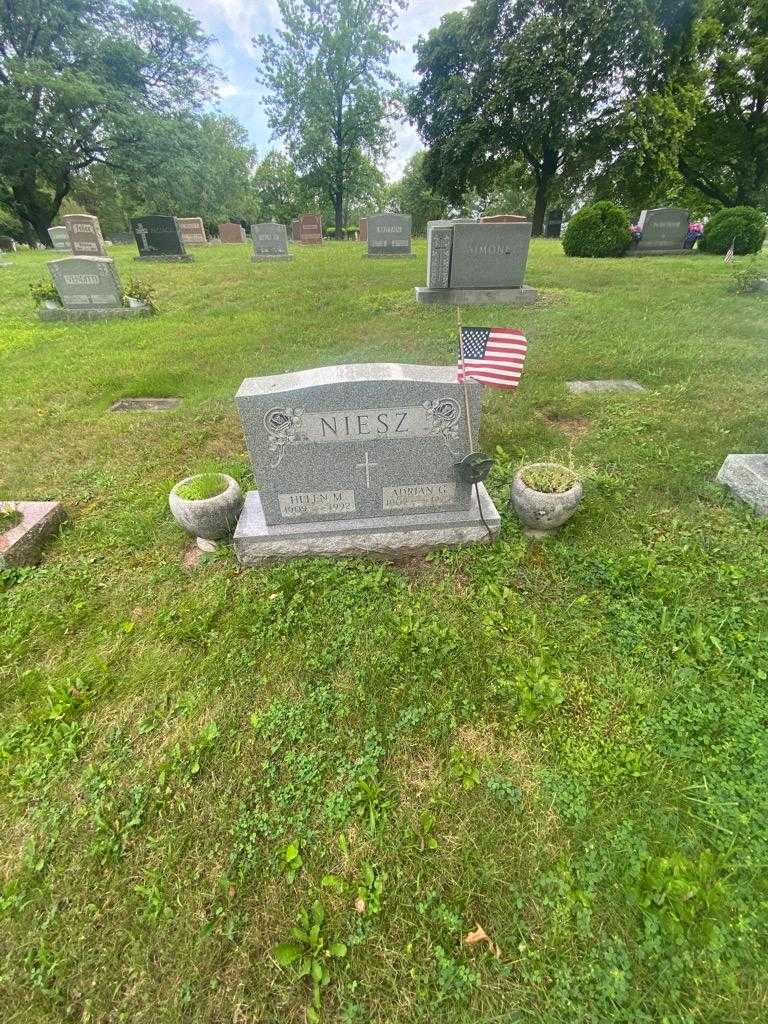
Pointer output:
x,y
367,466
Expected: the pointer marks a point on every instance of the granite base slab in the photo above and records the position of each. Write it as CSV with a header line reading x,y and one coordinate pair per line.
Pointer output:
x,y
746,477
23,544
51,313
271,259
524,296
392,537
164,259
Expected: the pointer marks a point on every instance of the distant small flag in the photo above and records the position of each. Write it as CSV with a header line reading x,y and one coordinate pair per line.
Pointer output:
x,y
731,253
492,355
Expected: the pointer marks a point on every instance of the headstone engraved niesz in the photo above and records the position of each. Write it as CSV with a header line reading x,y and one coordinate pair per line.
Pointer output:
x,y
359,459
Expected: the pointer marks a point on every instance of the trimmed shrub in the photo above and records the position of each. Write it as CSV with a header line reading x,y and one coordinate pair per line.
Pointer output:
x,y
745,224
598,230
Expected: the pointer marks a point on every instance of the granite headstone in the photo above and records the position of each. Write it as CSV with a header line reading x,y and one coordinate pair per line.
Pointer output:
x,y
158,238
232,232
663,232
7,244
59,237
192,230
554,224
389,234
359,458
310,229
84,234
475,263
89,289
746,477
270,242
504,218
295,231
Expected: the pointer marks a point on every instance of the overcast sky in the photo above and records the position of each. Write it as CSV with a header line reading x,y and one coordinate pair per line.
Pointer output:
x,y
234,22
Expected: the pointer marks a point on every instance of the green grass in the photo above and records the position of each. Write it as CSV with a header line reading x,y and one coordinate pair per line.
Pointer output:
x,y
205,485
562,742
9,518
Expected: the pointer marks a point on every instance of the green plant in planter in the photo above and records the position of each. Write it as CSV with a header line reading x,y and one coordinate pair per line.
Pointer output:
x,y
549,479
141,289
202,486
9,518
44,291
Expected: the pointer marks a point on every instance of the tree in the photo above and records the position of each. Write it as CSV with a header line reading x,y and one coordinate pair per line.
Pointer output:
x,y
279,192
80,81
537,81
725,155
412,194
331,90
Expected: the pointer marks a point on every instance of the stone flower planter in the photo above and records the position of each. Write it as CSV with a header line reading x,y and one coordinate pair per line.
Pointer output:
x,y
208,518
542,512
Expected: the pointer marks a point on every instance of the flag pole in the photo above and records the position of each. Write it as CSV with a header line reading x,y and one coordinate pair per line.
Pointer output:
x,y
464,382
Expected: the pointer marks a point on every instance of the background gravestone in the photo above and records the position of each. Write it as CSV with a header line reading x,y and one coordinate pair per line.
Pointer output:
x,y
232,232
554,224
504,218
158,238
389,234
84,233
192,230
363,229
310,229
476,263
359,458
59,237
663,232
295,231
7,244
89,289
270,242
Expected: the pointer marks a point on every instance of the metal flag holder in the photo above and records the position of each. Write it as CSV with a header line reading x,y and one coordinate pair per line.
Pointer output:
x,y
475,466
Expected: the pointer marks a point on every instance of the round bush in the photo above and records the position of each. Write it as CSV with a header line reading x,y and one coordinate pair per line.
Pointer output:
x,y
598,230
745,224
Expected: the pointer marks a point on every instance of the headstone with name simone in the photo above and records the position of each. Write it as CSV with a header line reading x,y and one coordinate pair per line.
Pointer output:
x,y
232,232
84,234
59,237
270,242
663,233
472,263
389,234
192,230
360,459
310,229
89,289
158,238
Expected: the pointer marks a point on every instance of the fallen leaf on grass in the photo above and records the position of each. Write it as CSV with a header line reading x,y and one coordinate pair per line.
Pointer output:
x,y
480,935
360,905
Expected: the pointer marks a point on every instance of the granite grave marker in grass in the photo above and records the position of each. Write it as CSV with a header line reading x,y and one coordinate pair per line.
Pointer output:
x,y
359,459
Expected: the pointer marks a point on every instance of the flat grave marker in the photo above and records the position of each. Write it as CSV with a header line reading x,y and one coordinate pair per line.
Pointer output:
x,y
145,404
586,387
23,543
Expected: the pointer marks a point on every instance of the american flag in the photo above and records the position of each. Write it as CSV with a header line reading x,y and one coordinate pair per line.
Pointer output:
x,y
492,355
731,253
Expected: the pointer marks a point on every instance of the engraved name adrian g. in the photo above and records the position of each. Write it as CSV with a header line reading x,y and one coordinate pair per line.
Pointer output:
x,y
287,427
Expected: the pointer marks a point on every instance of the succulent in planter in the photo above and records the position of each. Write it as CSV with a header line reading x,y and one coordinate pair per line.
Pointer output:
x,y
545,495
207,505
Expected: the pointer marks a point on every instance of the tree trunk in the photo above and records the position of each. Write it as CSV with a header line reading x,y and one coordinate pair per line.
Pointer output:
x,y
338,209
539,208
544,177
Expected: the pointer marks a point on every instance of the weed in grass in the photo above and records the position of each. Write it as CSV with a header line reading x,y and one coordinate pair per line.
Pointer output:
x,y
311,950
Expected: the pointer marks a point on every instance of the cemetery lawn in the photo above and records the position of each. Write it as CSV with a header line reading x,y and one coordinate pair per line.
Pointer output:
x,y
563,743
